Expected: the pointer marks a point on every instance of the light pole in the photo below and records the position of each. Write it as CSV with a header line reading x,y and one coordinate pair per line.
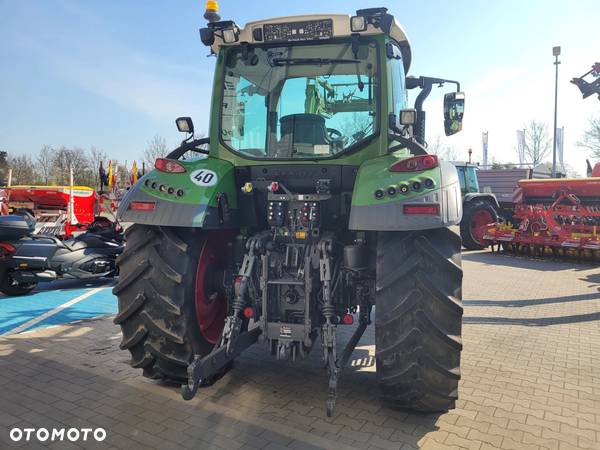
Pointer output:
x,y
556,53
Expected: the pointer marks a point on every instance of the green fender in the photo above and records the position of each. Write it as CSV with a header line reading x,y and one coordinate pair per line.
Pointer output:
x,y
438,187
203,196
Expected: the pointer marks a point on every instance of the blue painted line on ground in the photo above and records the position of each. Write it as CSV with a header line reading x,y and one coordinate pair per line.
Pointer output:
x,y
100,304
15,311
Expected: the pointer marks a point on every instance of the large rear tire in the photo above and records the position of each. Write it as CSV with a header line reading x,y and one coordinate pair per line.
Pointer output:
x,y
157,298
418,318
477,214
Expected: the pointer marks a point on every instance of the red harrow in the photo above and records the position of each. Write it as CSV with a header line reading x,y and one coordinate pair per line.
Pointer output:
x,y
558,217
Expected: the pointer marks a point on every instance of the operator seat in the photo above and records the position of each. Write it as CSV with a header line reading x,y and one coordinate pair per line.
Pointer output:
x,y
304,129
302,134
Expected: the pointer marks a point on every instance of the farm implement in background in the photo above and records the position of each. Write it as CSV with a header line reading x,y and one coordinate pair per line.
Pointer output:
x,y
553,217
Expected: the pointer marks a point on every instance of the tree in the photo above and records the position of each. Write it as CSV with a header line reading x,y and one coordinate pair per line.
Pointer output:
x,y
97,156
157,148
22,169
123,175
499,165
444,151
65,159
591,138
571,172
3,168
43,164
536,142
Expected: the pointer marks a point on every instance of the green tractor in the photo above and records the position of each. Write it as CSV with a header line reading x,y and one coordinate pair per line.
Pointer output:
x,y
479,208
311,201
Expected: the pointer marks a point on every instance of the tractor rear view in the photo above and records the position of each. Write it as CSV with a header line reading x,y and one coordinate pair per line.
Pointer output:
x,y
311,201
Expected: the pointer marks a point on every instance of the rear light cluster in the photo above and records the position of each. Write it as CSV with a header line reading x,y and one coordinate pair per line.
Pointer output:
x,y
415,164
163,188
404,188
142,206
6,250
424,209
169,165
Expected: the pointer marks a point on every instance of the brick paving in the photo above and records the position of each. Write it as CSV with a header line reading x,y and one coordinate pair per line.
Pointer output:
x,y
530,379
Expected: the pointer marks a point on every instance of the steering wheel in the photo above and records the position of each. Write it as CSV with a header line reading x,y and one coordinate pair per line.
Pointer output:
x,y
334,135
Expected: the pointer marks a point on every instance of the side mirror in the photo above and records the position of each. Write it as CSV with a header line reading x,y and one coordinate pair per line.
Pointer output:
x,y
454,108
185,124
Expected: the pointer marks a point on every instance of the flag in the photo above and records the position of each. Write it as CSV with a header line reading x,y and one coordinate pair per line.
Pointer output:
x,y
111,175
560,141
134,173
102,176
521,146
484,140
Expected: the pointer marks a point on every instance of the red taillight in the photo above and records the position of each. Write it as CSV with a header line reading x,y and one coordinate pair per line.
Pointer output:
x,y
142,206
168,165
415,164
6,250
432,210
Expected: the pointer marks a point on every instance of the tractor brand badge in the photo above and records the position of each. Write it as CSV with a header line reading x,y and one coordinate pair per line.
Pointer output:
x,y
204,177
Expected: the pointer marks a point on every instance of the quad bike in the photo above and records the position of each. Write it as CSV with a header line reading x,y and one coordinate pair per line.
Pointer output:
x,y
312,200
27,259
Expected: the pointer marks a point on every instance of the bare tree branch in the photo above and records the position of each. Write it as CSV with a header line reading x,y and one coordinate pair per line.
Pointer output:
x,y
43,164
157,148
537,142
591,138
22,169
444,151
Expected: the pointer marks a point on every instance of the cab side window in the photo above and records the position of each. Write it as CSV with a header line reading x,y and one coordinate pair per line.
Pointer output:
x,y
398,78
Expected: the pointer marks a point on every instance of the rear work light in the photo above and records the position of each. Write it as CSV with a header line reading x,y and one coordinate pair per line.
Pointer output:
x,y
142,206
168,165
431,210
415,164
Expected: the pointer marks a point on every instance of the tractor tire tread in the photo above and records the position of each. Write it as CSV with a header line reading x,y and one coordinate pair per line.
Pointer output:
x,y
155,314
418,319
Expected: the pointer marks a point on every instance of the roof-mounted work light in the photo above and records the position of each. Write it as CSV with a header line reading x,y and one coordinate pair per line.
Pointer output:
x,y
227,30
378,17
358,23
230,35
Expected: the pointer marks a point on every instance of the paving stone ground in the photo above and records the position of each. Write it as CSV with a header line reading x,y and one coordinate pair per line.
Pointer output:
x,y
530,380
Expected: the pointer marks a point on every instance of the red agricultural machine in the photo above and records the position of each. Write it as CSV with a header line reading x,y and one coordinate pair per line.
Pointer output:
x,y
58,210
560,217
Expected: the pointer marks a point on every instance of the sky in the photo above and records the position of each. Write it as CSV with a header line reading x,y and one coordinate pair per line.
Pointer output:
x,y
114,74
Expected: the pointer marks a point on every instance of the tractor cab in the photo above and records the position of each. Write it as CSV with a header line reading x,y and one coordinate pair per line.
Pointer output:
x,y
467,176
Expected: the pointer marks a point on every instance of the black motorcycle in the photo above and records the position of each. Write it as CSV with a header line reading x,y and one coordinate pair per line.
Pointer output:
x,y
27,259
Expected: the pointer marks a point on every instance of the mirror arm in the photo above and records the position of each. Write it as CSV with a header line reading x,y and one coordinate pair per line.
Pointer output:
x,y
426,84
189,147
414,146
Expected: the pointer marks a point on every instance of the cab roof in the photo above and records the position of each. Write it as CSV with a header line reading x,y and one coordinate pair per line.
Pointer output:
x,y
340,26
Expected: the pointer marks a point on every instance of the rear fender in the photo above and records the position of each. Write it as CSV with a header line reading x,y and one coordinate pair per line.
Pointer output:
x,y
483,196
387,213
204,196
